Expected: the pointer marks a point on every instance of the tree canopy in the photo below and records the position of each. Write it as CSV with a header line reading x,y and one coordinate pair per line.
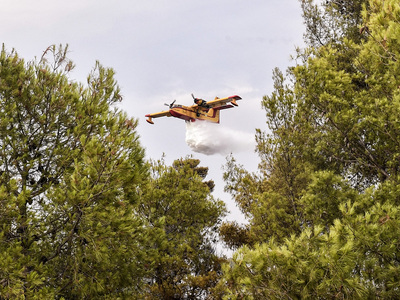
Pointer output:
x,y
183,218
83,215
323,210
70,163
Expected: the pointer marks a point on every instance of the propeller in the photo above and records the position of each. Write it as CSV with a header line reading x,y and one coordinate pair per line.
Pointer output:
x,y
170,105
199,101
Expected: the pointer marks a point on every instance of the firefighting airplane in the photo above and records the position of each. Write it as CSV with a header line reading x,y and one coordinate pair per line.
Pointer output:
x,y
201,110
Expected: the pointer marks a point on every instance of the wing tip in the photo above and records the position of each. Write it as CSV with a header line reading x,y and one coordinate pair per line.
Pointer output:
x,y
149,120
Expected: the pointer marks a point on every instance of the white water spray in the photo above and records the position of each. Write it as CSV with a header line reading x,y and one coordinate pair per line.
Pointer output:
x,y
209,138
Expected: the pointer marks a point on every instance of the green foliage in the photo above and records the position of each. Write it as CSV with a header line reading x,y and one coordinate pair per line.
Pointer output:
x,y
183,219
70,165
235,235
356,259
324,194
82,216
271,201
331,20
324,210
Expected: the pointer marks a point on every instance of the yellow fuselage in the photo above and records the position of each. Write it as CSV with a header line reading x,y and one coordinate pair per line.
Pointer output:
x,y
198,113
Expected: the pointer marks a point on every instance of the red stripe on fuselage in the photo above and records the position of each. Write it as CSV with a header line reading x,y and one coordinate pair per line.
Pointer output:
x,y
179,115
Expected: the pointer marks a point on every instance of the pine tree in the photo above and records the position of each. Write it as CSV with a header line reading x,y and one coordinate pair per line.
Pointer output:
x,y
357,258
325,206
183,216
70,165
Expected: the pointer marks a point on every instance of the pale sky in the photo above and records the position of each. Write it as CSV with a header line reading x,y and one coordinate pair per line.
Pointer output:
x,y
164,50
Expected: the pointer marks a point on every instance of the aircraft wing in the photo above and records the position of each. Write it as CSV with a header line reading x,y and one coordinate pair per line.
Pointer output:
x,y
157,115
217,102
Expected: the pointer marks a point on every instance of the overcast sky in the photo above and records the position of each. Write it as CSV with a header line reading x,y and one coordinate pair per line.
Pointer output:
x,y
164,50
